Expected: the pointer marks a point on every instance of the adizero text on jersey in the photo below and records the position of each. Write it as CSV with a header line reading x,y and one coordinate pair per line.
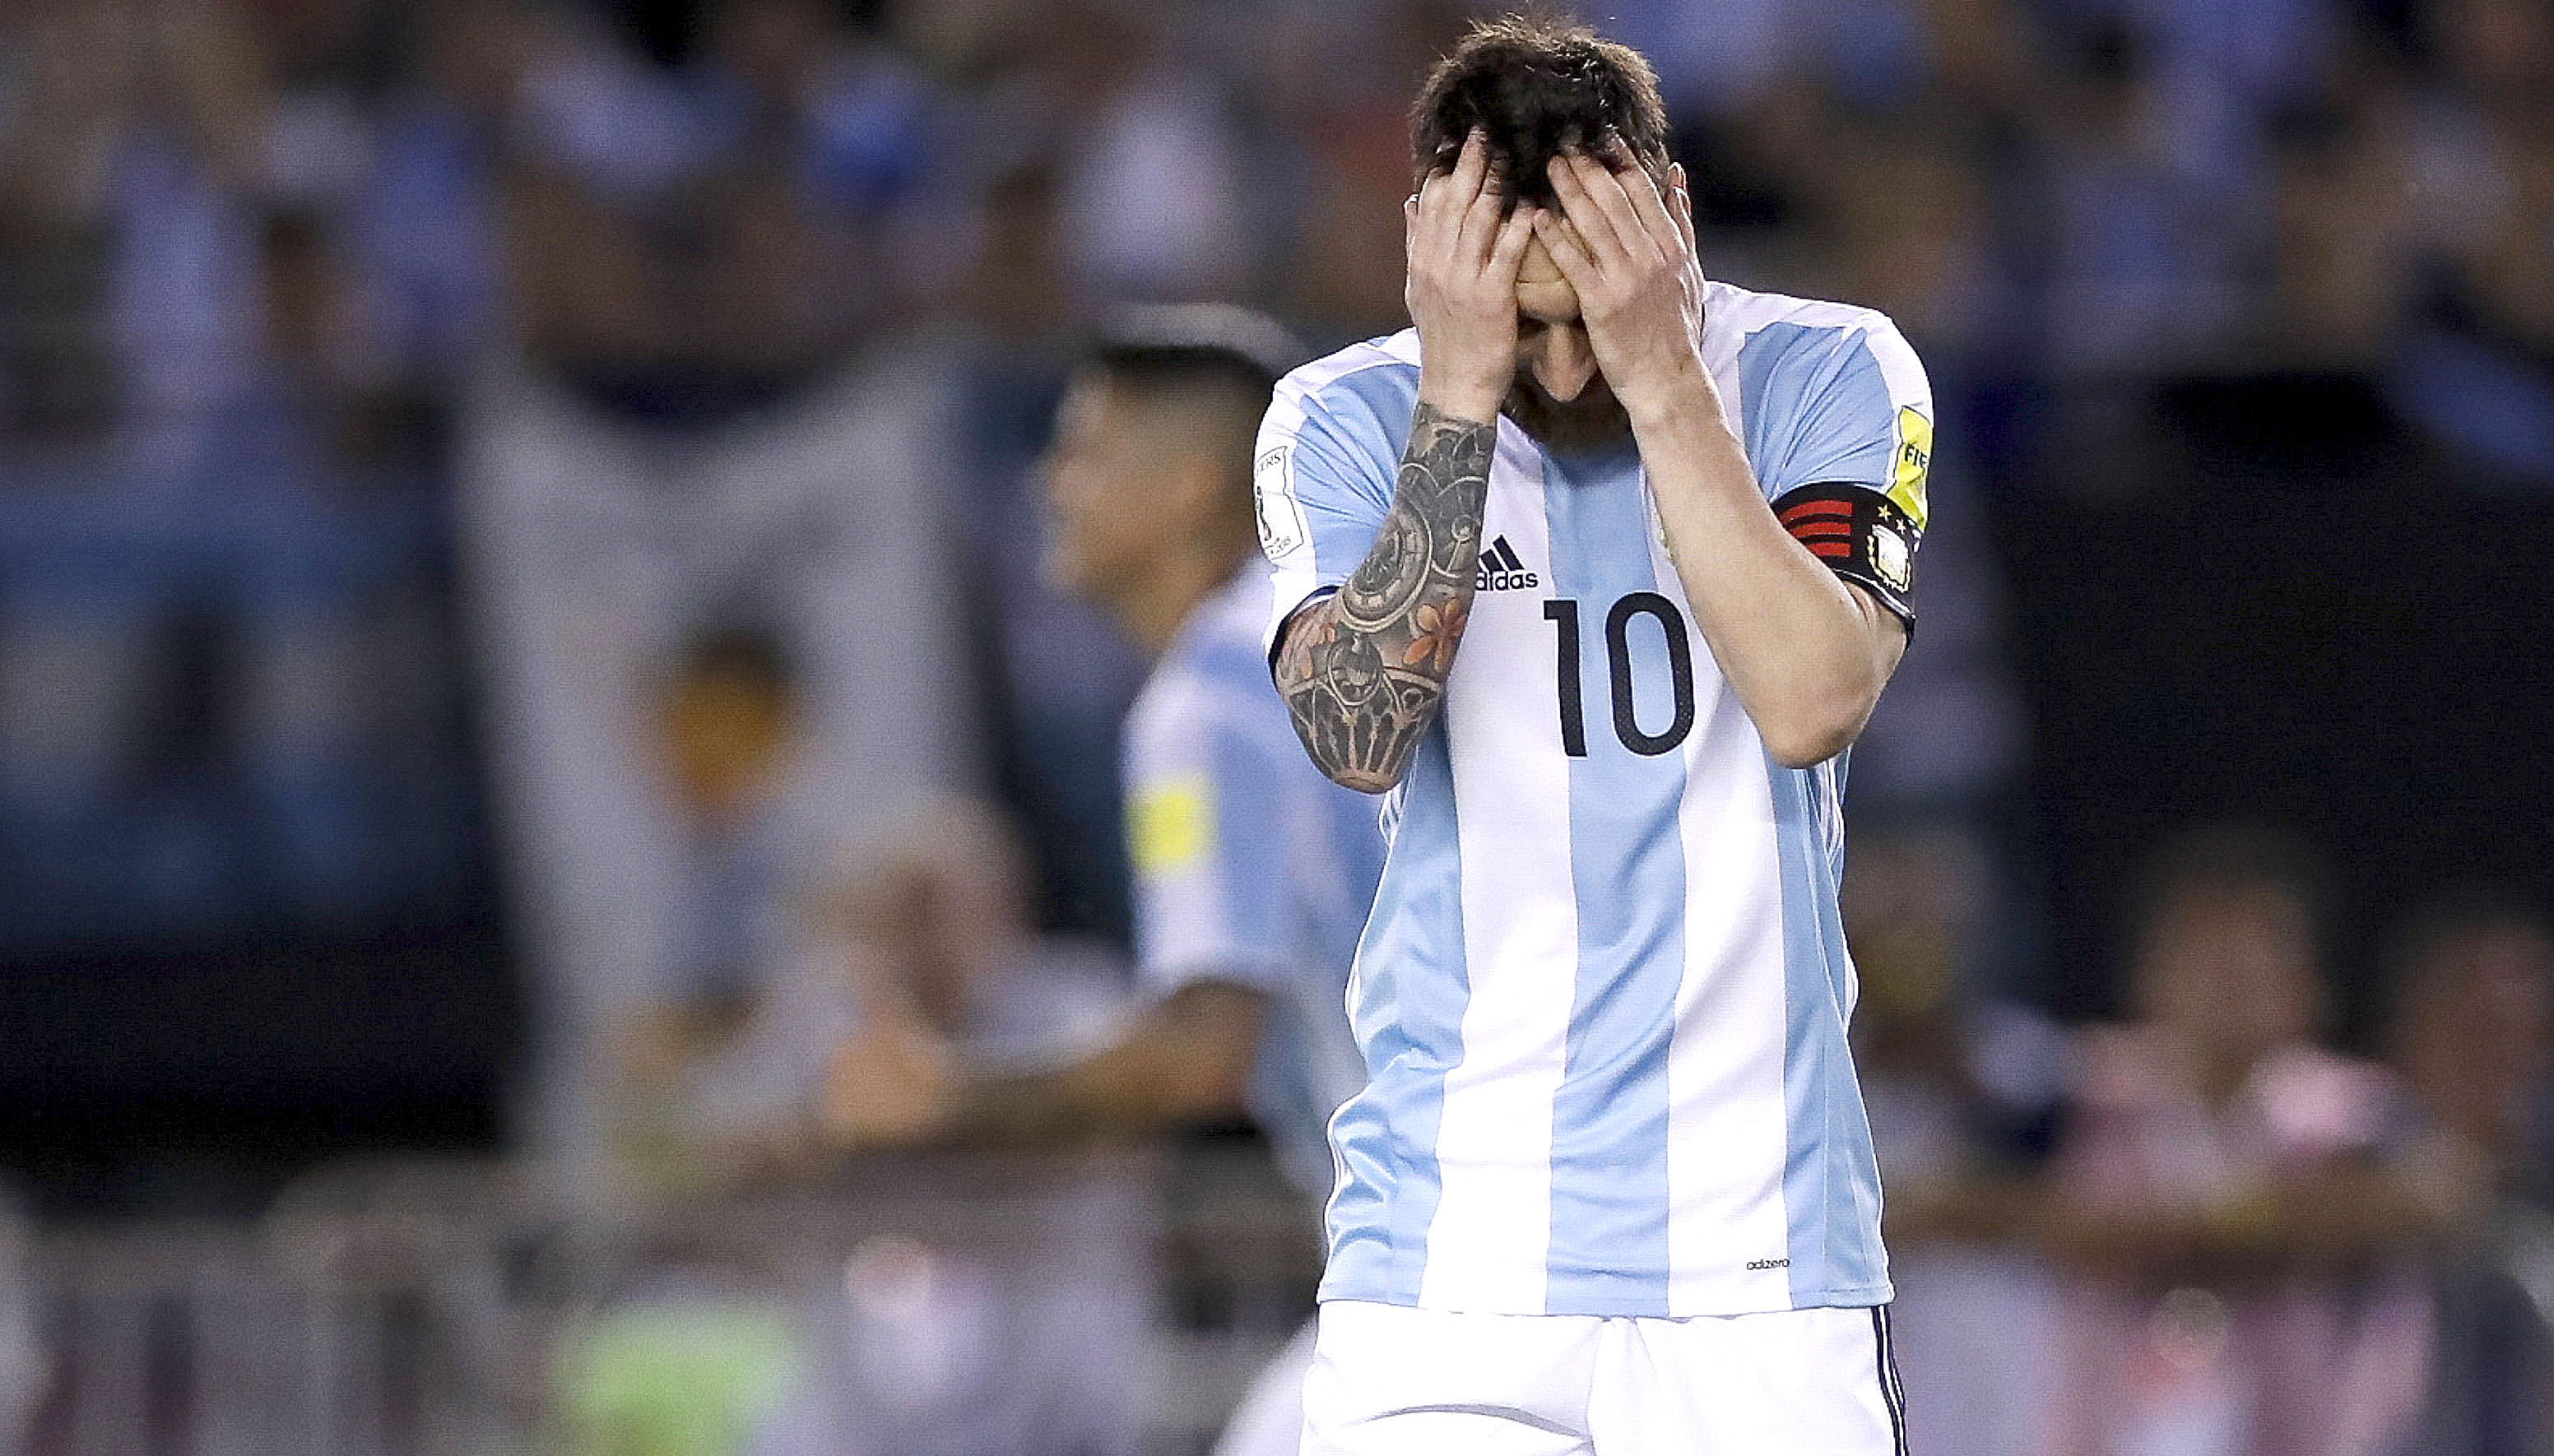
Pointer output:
x,y
1603,993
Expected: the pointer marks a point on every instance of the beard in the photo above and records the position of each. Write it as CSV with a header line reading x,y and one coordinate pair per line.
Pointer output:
x,y
1590,422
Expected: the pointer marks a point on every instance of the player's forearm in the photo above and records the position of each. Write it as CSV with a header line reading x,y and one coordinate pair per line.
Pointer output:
x,y
1804,651
1363,672
1128,1092
1187,1058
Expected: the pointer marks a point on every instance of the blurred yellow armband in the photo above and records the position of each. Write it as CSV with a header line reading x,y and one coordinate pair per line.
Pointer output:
x,y
1171,825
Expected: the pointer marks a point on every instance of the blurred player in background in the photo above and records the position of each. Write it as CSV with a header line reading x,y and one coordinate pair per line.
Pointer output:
x,y
1252,874
728,712
1598,571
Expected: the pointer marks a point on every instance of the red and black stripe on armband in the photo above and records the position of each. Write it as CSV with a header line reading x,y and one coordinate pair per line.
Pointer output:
x,y
1861,534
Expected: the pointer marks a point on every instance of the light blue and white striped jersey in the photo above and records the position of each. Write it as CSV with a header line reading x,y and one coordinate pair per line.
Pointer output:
x,y
1250,867
1602,997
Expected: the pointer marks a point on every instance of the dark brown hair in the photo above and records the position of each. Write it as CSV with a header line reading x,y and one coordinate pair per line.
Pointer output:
x,y
1219,356
1536,84
1173,346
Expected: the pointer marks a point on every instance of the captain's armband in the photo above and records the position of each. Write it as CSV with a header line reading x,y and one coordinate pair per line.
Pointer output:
x,y
1862,535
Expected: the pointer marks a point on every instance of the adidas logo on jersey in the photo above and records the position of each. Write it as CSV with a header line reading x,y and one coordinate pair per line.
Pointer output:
x,y
1502,570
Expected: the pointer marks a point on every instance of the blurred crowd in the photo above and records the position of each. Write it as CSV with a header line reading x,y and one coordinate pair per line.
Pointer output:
x,y
2199,1227
665,385
628,279
687,209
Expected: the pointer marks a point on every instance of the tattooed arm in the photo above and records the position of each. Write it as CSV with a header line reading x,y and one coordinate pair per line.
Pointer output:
x,y
1363,670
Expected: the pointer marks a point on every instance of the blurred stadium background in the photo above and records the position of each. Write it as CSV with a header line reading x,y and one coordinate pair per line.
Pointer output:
x,y
504,501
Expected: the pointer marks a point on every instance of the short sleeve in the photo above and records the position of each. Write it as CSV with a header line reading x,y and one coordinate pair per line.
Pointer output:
x,y
1207,836
1841,431
1322,479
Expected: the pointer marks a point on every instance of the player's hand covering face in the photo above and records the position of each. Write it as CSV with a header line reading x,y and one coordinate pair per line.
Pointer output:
x,y
1464,248
1629,253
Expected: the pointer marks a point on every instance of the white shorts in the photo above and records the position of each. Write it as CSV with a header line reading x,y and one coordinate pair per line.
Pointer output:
x,y
1269,1421
1388,1381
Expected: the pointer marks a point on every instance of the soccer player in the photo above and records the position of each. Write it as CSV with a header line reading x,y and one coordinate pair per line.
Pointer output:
x,y
1253,875
1597,571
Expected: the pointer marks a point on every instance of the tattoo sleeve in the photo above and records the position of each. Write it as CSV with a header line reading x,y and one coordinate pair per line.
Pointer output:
x,y
1363,672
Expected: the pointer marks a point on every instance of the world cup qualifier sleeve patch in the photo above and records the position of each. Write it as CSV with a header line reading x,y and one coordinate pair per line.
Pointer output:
x,y
1861,534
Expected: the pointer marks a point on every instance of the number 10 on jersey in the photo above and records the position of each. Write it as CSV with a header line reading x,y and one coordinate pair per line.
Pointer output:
x,y
1563,614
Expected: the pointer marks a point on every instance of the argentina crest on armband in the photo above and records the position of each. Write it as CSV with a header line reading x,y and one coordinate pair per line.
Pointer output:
x,y
1866,536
